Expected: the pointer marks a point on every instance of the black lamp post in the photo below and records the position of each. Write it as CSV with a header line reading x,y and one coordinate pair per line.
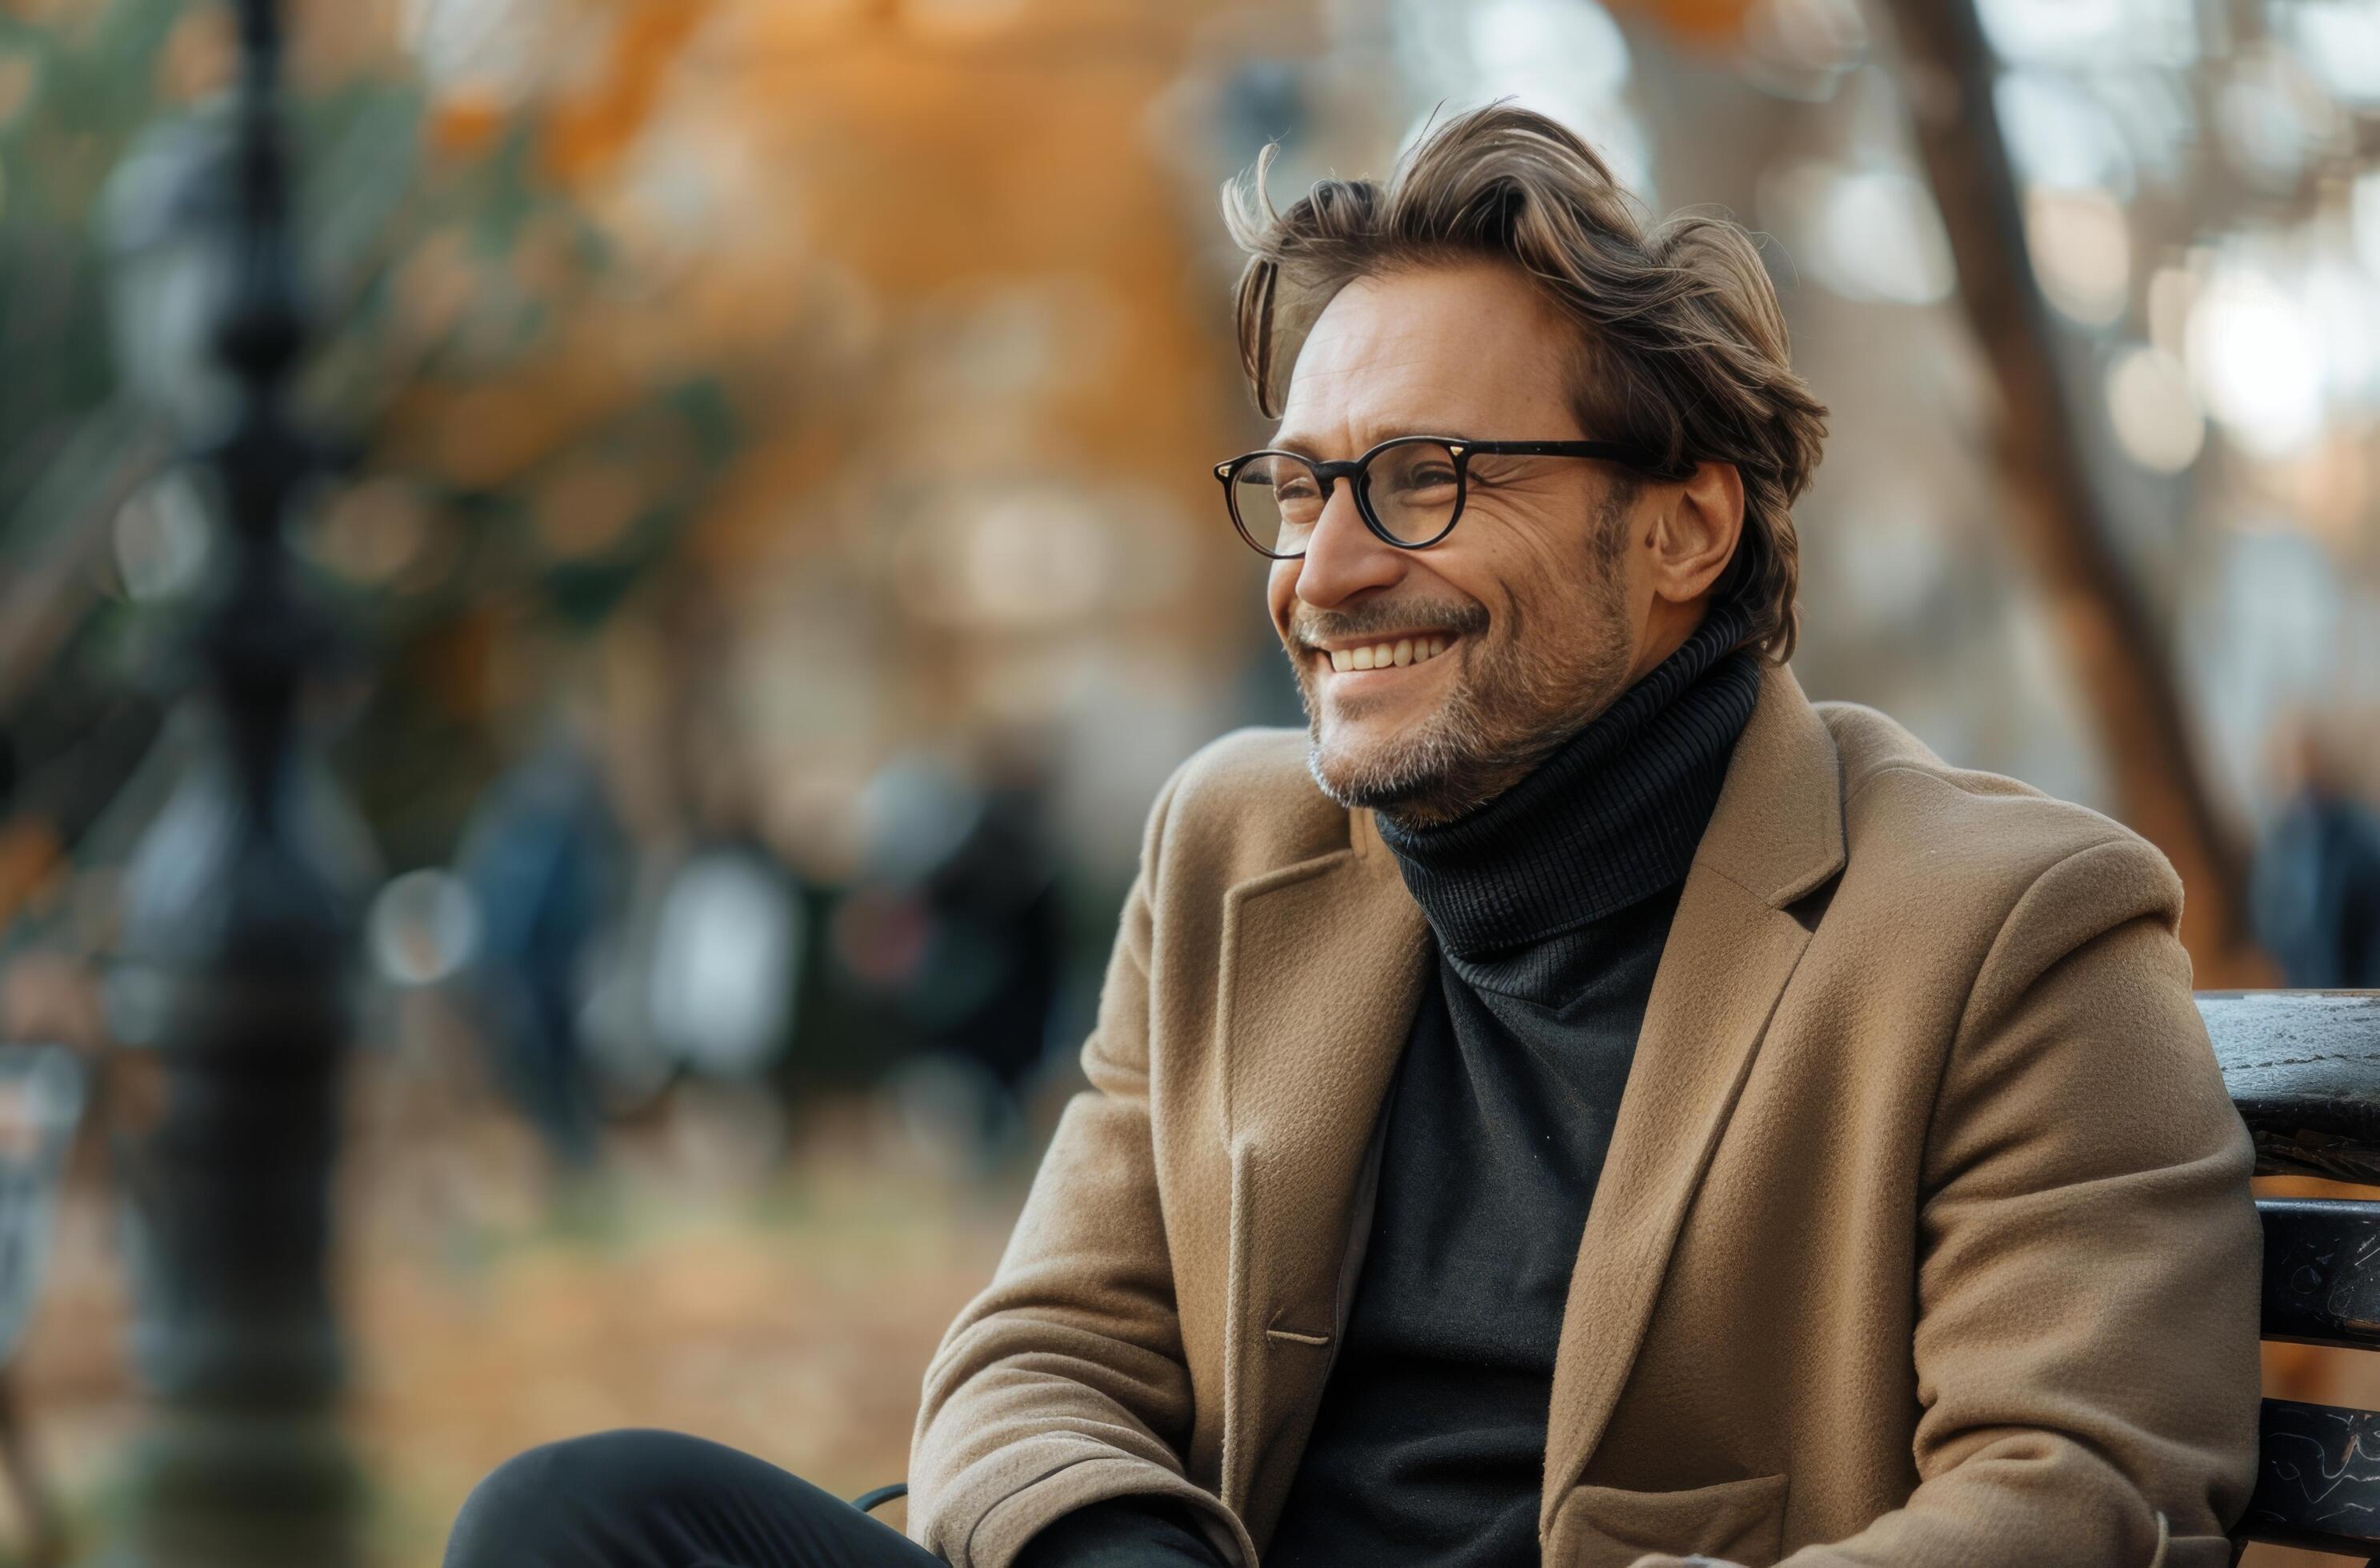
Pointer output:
x,y
239,916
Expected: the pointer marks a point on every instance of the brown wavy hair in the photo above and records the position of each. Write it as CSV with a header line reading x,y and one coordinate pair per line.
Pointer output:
x,y
1682,344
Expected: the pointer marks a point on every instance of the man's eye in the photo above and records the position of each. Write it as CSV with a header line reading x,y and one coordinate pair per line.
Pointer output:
x,y
1299,502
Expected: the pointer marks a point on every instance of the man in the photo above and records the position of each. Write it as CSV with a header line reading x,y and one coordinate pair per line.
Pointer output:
x,y
1580,1103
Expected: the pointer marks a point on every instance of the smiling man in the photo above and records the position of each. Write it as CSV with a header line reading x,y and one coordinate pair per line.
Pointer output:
x,y
1578,1103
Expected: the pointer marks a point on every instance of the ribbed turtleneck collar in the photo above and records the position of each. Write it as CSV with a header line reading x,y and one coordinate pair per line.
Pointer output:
x,y
1609,819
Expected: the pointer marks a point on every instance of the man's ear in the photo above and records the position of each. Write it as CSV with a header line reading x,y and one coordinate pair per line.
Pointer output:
x,y
1694,537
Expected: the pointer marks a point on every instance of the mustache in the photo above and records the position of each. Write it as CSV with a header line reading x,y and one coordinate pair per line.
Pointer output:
x,y
1453,620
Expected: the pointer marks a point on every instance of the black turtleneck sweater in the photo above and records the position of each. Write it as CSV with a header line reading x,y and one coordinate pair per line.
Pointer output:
x,y
1549,905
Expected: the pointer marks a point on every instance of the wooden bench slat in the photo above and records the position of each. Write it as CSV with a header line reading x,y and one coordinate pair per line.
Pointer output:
x,y
2303,1067
2318,1480
2322,1270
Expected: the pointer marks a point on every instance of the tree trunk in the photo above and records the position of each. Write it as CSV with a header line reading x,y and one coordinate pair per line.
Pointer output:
x,y
2125,677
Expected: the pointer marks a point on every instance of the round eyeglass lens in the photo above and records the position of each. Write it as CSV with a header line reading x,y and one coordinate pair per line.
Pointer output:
x,y
1414,489
1277,500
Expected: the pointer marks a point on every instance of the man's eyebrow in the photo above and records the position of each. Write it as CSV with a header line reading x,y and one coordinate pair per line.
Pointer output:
x,y
1305,446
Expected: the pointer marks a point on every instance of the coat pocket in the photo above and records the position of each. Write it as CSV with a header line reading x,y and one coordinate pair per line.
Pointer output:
x,y
1741,1522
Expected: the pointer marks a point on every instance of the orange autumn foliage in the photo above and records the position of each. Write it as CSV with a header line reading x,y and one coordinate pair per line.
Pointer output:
x,y
1705,24
584,132
460,126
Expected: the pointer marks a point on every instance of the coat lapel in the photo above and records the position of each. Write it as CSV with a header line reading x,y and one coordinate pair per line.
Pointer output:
x,y
1774,837
1323,963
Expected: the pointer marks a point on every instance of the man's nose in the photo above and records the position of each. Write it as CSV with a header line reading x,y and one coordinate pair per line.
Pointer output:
x,y
1343,556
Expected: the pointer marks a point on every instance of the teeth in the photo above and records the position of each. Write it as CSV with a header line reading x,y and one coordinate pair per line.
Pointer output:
x,y
1383,655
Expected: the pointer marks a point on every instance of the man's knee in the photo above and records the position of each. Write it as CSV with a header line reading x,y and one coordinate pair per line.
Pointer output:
x,y
540,1502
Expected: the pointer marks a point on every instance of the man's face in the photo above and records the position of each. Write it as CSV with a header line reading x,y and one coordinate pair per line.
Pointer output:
x,y
1542,594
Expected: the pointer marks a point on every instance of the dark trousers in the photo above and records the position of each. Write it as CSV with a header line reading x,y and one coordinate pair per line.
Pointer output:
x,y
641,1498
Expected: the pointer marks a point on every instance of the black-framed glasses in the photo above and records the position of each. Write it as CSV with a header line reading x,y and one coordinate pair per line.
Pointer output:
x,y
1409,490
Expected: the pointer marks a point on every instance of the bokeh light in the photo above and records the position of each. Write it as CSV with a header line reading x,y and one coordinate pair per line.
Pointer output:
x,y
2257,360
2155,413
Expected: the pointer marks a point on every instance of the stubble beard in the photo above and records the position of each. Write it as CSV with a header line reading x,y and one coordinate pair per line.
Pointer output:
x,y
1508,712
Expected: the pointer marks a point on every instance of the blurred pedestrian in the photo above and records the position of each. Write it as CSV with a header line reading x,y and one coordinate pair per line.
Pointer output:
x,y
541,858
2315,892
957,920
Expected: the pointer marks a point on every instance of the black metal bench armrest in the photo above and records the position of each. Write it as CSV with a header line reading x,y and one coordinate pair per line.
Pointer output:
x,y
2303,1067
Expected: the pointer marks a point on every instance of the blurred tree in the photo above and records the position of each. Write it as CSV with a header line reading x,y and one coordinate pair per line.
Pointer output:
x,y
2059,518
524,457
2056,511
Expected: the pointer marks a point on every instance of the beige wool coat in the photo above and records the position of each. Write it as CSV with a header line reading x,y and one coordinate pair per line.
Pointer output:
x,y
1924,1238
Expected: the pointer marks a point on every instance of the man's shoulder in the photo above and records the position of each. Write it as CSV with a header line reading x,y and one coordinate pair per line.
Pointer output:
x,y
1907,810
1244,803
1252,763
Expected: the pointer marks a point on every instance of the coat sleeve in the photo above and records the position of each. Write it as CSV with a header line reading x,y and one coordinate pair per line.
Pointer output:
x,y
2086,1342
1063,1383
1121,1532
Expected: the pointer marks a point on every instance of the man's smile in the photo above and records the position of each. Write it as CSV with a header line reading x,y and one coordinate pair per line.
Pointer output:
x,y
1379,657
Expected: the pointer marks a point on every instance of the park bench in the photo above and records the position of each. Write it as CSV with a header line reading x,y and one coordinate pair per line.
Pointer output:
x,y
2303,1067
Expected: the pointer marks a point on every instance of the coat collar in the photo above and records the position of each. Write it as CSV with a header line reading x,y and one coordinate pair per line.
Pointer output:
x,y
1777,831
1322,966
